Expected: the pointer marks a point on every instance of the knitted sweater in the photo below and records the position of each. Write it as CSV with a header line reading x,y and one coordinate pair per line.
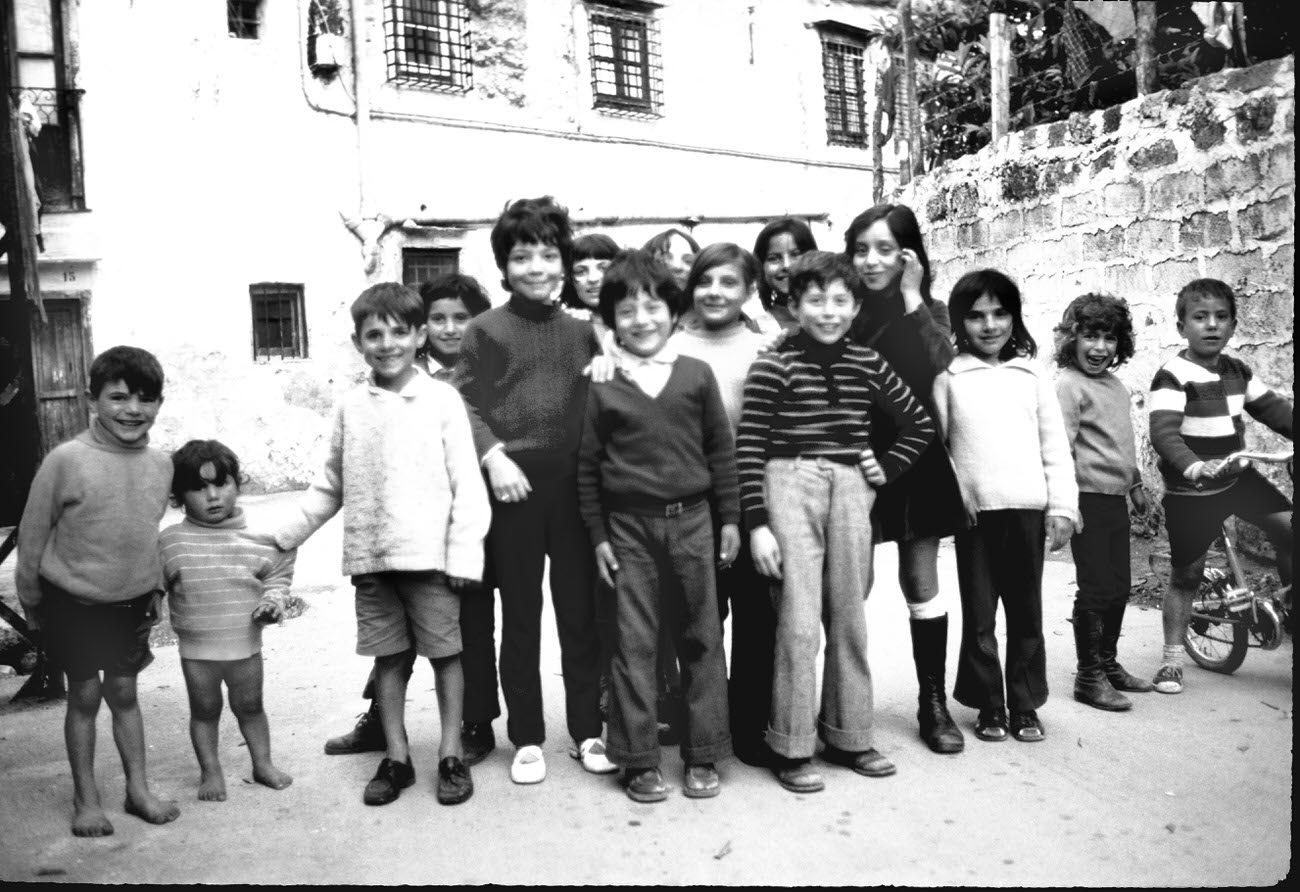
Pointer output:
x,y
1006,437
1196,416
91,521
1099,430
813,399
403,466
520,372
663,448
729,353
216,575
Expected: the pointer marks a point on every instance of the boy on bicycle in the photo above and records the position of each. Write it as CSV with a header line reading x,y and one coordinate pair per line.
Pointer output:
x,y
1196,402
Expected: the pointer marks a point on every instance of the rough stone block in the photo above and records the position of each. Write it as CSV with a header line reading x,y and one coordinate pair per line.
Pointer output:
x,y
1205,230
1179,96
1056,134
1266,220
1248,80
1124,279
936,208
1028,139
1278,270
1107,244
964,199
1007,227
941,240
1265,316
1171,275
1152,108
1231,177
1042,218
977,234
1104,161
1208,134
1057,174
1235,268
1147,238
1019,181
1279,164
1111,118
1161,153
1078,209
1255,118
1122,199
1177,190
1080,128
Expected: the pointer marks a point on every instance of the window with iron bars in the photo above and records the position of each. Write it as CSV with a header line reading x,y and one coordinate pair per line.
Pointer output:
x,y
419,265
426,44
279,322
625,62
243,18
842,77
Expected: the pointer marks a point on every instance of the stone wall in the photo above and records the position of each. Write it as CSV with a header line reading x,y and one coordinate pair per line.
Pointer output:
x,y
1137,200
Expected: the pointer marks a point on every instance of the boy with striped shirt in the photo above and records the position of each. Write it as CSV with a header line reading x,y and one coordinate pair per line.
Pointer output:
x,y
807,472
1196,402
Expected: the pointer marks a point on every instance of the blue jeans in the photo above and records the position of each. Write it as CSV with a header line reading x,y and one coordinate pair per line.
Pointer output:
x,y
820,512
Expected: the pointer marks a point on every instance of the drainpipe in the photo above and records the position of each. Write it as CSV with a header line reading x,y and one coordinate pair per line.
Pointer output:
x,y
369,229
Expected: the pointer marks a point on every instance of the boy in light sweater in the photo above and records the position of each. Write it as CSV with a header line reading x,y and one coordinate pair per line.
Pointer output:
x,y
401,459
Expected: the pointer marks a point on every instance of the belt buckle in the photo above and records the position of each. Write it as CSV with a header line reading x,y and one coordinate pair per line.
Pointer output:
x,y
673,510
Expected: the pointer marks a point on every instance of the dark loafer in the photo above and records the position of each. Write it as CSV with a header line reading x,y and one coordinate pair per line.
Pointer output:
x,y
1026,727
366,737
991,725
701,782
869,763
477,740
454,783
798,775
645,785
388,782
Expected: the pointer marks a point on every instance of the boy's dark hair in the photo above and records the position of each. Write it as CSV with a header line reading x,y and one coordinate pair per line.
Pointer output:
x,y
1205,288
637,270
388,300
997,285
1090,313
190,458
455,286
539,221
803,240
821,268
138,369
594,246
906,231
721,254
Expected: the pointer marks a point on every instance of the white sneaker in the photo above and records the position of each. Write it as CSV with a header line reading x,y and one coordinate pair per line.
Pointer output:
x,y
529,766
591,753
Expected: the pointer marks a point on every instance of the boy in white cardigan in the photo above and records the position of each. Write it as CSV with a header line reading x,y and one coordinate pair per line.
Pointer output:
x,y
402,460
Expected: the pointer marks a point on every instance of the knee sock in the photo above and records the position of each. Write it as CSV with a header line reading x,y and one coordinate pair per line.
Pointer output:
x,y
1172,656
931,609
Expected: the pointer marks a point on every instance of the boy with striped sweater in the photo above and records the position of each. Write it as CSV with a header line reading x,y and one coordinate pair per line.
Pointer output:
x,y
807,472
1196,402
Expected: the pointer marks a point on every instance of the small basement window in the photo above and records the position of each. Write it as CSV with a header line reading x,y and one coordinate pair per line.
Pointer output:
x,y
279,322
244,18
419,265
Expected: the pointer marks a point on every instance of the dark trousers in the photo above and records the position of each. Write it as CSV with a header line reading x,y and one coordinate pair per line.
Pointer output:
x,y
1002,557
1101,552
522,536
666,579
748,594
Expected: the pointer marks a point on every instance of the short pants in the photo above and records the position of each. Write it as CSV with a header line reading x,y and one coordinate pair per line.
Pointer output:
x,y
1194,522
400,609
84,638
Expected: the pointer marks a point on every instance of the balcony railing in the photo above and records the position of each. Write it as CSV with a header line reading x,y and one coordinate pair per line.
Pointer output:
x,y
56,158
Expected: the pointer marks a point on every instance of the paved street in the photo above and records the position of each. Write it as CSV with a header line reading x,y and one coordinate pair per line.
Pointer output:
x,y
1192,790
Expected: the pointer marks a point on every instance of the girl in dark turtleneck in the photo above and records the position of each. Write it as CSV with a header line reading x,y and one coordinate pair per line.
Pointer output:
x,y
911,329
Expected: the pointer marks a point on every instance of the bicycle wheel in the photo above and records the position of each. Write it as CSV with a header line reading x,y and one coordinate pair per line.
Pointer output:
x,y
1215,642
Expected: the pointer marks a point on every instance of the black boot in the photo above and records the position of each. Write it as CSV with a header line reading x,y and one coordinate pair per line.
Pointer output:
x,y
1091,685
929,651
366,737
1112,620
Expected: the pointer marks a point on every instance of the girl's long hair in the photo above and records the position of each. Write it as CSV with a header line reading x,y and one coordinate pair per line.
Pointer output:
x,y
803,240
906,231
970,288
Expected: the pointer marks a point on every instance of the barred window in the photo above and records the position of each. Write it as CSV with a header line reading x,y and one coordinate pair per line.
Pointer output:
x,y
243,18
419,265
426,44
279,323
846,107
625,62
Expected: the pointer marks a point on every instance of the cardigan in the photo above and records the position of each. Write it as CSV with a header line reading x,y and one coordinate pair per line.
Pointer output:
x,y
403,467
1099,430
216,574
90,525
1006,437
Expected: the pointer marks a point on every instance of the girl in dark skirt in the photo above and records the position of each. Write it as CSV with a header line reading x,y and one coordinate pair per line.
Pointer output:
x,y
911,329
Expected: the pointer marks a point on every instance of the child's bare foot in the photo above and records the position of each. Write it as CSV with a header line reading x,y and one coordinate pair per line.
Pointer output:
x,y
212,786
149,807
90,820
272,777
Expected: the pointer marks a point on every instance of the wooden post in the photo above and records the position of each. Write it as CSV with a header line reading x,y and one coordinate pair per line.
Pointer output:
x,y
1000,63
912,116
1144,17
877,144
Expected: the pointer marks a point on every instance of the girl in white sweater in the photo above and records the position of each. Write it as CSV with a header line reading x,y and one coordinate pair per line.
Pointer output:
x,y
999,413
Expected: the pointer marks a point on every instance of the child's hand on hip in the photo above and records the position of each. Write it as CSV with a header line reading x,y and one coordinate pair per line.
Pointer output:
x,y
601,369
766,551
509,484
729,545
606,563
1059,531
267,611
871,468
1140,502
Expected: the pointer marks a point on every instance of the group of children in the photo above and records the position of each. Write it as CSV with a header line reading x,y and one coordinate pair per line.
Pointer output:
x,y
724,433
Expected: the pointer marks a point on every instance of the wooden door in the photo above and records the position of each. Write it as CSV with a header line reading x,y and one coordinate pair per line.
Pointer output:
x,y
61,360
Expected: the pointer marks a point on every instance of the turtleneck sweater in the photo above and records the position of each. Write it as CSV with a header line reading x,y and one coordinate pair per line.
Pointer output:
x,y
91,521
216,574
520,373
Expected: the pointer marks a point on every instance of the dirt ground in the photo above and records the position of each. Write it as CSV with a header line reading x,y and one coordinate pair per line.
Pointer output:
x,y
1192,790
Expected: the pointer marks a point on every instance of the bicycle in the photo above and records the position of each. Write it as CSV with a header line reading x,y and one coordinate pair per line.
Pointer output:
x,y
1228,616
